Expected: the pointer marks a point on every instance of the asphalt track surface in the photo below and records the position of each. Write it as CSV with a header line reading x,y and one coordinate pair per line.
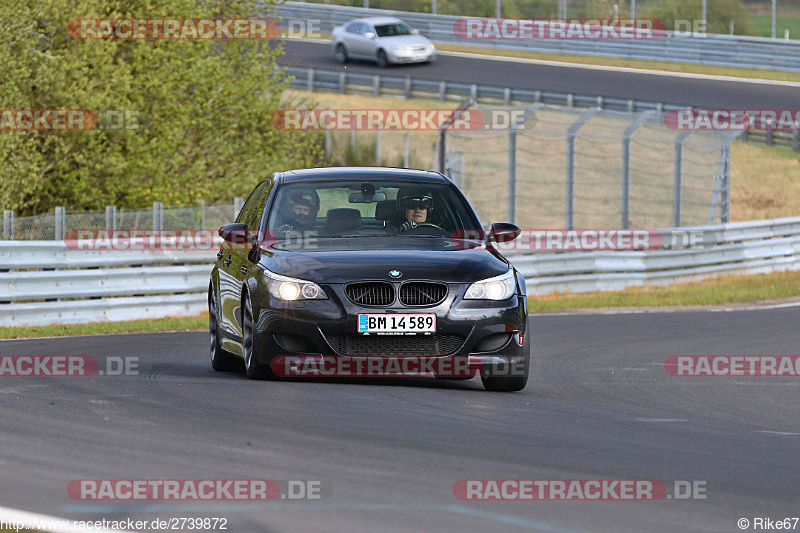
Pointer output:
x,y
702,93
599,405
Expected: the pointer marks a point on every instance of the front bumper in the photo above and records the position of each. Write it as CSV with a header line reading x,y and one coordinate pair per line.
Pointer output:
x,y
412,57
328,328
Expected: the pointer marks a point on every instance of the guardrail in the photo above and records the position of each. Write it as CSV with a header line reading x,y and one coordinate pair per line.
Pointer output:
x,y
74,286
77,286
713,49
380,84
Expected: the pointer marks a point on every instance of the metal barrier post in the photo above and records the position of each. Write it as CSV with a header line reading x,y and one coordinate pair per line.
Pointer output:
x,y
512,173
158,218
111,217
202,214
8,224
310,81
61,222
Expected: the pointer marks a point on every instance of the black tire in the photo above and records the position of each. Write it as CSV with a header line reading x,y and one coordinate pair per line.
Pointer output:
x,y
341,54
221,360
253,368
383,61
511,383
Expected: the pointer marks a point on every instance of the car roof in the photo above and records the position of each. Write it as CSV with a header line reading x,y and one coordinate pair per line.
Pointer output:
x,y
376,20
360,173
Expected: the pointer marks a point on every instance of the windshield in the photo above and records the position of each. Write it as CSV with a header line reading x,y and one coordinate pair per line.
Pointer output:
x,y
369,208
390,30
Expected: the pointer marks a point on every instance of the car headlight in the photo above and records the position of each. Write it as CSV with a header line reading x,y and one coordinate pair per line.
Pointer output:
x,y
290,289
400,49
497,288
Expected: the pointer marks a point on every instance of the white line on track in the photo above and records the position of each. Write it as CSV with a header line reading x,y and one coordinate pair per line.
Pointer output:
x,y
40,522
778,433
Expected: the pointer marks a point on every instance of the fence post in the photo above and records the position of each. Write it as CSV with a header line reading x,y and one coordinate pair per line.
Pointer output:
x,y
570,193
796,139
342,82
158,219
473,92
378,147
111,217
327,144
8,224
406,155
512,173
408,87
353,141
376,86
626,165
677,188
726,187
310,81
238,203
442,91
202,214
61,222
507,96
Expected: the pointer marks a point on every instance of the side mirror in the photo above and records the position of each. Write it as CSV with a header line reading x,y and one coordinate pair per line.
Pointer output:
x,y
369,35
504,232
236,233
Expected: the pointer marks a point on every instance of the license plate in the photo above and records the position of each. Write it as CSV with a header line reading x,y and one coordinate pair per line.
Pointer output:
x,y
406,323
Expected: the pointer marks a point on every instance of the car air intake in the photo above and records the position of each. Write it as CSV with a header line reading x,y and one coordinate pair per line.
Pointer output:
x,y
437,344
370,293
421,293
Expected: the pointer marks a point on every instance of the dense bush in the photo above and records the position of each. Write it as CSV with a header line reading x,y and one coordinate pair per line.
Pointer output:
x,y
204,105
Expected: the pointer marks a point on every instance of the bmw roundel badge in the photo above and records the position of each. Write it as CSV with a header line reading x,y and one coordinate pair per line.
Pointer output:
x,y
395,273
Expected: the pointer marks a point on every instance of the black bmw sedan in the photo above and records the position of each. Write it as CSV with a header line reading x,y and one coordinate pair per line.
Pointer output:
x,y
361,263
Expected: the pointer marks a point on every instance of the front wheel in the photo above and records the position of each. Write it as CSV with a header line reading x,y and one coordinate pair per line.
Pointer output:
x,y
383,61
517,371
253,368
341,54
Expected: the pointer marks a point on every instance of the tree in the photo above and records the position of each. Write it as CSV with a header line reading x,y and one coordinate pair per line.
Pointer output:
x,y
204,108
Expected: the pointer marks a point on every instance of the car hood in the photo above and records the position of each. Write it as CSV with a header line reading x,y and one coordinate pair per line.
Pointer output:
x,y
405,40
344,260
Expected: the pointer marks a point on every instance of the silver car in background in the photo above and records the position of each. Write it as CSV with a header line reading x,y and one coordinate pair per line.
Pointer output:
x,y
386,40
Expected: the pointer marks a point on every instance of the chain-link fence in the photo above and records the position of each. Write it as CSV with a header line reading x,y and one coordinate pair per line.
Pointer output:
x,y
55,225
561,167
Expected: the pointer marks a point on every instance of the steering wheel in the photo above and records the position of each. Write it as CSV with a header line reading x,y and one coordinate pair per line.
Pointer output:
x,y
422,226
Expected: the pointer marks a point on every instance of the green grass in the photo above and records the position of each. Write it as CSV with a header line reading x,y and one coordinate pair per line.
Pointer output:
x,y
107,328
722,290
762,25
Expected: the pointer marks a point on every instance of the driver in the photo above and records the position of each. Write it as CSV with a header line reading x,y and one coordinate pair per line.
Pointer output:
x,y
413,208
298,211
